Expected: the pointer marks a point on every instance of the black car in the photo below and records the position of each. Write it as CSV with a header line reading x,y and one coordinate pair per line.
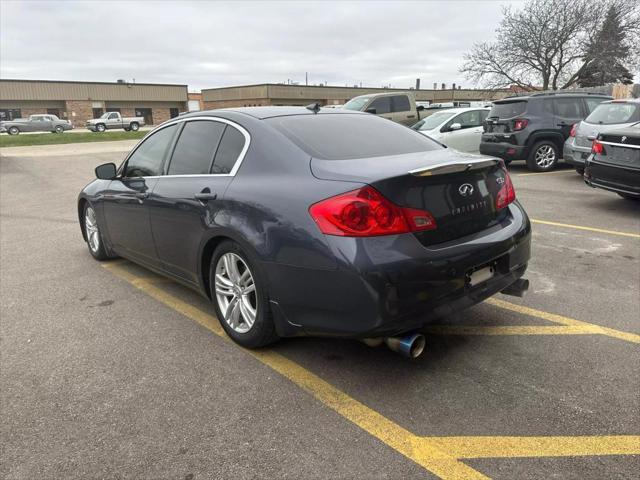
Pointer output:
x,y
295,221
535,127
614,163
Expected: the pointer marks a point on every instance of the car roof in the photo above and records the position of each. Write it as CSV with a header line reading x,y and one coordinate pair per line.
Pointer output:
x,y
269,112
624,100
459,110
559,94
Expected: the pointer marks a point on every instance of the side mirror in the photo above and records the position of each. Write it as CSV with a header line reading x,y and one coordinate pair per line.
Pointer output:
x,y
371,110
106,171
420,108
455,126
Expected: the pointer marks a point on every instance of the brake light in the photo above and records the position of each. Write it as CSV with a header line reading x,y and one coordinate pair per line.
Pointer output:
x,y
574,127
597,148
520,124
506,194
366,213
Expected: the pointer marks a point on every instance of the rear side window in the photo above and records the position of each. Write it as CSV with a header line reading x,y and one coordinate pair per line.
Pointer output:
x,y
508,109
612,113
344,136
382,105
229,150
196,147
147,160
568,107
400,103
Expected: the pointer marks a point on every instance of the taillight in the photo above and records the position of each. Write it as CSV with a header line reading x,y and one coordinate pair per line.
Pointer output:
x,y
520,124
597,148
507,193
366,213
574,127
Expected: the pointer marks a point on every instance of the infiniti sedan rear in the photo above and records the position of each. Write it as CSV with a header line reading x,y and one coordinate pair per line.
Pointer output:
x,y
297,221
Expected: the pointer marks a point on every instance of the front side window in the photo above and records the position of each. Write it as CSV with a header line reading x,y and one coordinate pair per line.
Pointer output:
x,y
147,160
382,105
113,116
400,103
568,107
196,147
229,150
466,120
593,102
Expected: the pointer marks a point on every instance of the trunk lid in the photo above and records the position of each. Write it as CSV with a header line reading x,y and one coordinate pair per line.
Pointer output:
x,y
458,189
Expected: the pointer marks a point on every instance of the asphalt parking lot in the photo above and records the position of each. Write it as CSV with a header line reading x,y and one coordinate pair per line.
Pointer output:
x,y
109,371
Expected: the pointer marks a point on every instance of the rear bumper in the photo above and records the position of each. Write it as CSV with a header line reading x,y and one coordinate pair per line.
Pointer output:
x,y
392,284
504,150
574,155
617,179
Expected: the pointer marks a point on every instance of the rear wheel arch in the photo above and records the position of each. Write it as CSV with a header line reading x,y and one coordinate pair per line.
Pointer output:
x,y
554,137
81,203
209,247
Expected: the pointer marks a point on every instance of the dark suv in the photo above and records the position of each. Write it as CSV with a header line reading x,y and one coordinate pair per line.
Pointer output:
x,y
535,127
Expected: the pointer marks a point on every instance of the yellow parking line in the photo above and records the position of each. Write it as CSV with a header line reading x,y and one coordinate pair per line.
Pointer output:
x,y
570,322
588,229
512,330
486,447
439,455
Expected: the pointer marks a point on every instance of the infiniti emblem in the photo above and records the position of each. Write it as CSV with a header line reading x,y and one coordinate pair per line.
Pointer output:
x,y
465,189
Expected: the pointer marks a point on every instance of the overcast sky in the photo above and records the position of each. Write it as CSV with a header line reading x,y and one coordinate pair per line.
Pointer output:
x,y
213,44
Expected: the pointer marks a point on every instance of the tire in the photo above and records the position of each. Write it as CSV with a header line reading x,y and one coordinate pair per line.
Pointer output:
x,y
134,126
253,305
13,131
92,233
543,156
59,129
580,171
100,127
127,129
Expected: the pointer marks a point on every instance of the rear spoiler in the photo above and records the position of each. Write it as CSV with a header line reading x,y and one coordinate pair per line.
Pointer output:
x,y
445,168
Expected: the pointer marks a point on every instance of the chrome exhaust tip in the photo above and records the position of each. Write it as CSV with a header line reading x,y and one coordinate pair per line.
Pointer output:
x,y
410,345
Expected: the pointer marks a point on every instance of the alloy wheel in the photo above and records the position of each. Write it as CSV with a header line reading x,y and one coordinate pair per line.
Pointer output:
x,y
91,229
236,292
545,156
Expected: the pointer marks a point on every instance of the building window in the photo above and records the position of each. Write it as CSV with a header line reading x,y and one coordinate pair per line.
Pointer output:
x,y
97,112
54,111
146,113
10,114
173,112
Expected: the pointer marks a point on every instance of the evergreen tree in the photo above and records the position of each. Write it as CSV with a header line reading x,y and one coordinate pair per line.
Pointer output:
x,y
606,54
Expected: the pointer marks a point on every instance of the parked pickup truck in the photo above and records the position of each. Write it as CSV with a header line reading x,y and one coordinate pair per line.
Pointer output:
x,y
397,106
111,120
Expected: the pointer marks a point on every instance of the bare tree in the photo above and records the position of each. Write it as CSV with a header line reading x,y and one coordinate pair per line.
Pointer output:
x,y
544,44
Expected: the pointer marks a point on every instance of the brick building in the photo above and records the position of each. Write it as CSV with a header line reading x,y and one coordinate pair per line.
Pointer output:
x,y
284,94
80,101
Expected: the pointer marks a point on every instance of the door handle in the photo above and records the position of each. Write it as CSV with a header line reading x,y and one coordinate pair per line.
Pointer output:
x,y
205,196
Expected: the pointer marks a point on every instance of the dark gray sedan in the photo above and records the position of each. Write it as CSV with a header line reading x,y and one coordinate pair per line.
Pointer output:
x,y
308,221
35,123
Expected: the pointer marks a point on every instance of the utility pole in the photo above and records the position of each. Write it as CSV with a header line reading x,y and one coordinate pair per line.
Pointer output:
x,y
306,78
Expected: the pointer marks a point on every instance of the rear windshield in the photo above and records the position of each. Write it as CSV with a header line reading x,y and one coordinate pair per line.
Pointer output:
x,y
507,109
342,136
612,113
